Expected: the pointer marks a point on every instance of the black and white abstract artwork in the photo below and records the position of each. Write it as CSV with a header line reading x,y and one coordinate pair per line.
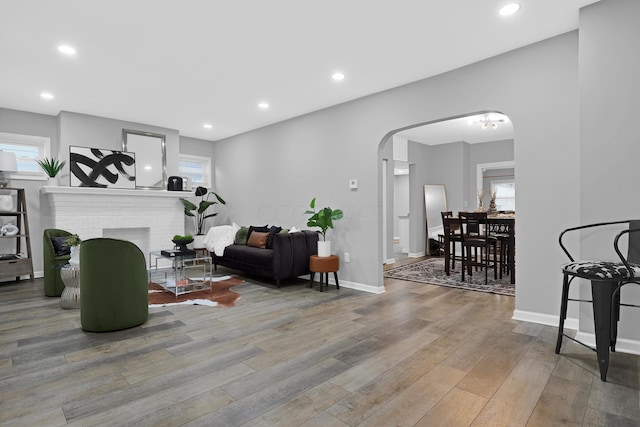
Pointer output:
x,y
95,167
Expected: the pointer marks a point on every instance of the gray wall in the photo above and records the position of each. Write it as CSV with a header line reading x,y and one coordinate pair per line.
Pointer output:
x,y
327,148
446,165
401,200
99,132
610,137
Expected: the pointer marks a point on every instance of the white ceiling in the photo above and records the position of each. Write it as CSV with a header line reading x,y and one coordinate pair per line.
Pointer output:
x,y
467,129
180,64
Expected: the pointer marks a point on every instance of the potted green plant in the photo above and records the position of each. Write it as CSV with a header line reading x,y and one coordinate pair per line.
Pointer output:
x,y
199,212
323,219
74,242
181,242
51,167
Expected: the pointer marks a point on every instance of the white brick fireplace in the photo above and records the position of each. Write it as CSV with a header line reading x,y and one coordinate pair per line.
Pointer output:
x,y
147,218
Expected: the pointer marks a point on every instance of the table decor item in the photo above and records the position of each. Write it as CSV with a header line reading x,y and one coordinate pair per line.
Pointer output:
x,y
323,219
74,242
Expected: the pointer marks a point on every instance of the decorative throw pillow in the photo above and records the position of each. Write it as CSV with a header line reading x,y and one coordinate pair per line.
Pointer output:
x,y
273,230
241,236
59,247
252,228
258,239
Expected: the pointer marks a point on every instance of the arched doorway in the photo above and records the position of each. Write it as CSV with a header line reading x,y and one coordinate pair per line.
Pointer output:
x,y
483,137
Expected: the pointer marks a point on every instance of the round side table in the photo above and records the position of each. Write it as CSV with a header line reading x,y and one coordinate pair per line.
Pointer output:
x,y
70,275
324,266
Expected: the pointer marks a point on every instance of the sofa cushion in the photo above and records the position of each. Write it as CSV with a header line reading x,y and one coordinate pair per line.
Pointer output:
x,y
242,236
59,247
258,239
253,228
250,256
272,231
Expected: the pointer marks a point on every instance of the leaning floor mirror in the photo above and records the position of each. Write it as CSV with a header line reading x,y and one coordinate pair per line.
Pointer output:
x,y
435,202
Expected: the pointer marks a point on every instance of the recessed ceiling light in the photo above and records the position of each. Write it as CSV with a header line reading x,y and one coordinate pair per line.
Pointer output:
x,y
67,50
263,105
46,95
207,126
337,76
509,9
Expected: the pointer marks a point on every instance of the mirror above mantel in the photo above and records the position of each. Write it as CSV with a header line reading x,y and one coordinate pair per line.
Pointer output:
x,y
151,158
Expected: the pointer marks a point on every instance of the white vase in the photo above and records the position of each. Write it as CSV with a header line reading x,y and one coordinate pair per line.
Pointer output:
x,y
53,181
324,248
75,255
198,241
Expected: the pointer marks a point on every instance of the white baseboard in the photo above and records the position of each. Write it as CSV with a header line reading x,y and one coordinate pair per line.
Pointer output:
x,y
544,319
416,254
347,284
622,345
390,261
361,287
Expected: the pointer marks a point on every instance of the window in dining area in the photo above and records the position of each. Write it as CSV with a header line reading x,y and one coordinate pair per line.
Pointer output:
x,y
505,191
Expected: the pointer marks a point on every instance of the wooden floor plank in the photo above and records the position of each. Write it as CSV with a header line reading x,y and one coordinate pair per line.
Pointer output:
x,y
293,356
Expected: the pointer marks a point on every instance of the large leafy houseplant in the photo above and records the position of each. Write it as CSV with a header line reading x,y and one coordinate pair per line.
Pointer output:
x,y
199,212
323,218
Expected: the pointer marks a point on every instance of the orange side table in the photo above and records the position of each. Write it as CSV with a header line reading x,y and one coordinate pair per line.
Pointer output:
x,y
324,266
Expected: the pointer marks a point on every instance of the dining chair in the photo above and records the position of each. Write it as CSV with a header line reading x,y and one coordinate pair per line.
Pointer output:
x,y
607,279
451,236
475,236
501,231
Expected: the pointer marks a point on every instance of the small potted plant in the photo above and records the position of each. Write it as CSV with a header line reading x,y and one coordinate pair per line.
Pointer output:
x,y
74,242
52,168
323,219
181,242
199,212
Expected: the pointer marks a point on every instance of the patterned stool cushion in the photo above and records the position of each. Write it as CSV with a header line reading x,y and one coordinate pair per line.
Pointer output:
x,y
601,270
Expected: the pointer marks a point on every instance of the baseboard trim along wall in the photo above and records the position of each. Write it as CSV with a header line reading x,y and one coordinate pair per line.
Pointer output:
x,y
622,345
544,319
347,284
416,254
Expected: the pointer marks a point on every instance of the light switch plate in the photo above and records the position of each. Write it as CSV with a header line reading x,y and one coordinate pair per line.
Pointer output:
x,y
353,184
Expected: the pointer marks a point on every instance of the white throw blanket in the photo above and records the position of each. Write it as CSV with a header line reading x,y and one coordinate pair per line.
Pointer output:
x,y
220,237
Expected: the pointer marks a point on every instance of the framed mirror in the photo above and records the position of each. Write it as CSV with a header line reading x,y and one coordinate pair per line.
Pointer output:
x,y
151,158
435,202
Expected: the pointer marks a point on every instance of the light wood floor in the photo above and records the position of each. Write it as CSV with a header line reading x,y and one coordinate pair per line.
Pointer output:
x,y
417,355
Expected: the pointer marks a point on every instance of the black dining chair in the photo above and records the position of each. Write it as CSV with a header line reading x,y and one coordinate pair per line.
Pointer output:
x,y
451,236
475,236
607,279
501,231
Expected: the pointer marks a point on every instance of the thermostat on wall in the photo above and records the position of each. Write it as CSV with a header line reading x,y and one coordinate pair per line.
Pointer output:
x,y
353,184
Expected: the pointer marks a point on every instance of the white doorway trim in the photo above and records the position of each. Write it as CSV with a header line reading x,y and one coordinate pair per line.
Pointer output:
x,y
483,167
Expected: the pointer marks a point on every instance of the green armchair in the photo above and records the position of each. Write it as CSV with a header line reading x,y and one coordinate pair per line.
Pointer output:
x,y
113,285
53,284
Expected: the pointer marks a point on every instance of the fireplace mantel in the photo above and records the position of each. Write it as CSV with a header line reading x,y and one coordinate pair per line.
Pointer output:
x,y
149,218
113,192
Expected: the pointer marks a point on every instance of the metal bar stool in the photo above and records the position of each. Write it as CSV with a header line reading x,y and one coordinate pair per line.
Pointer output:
x,y
607,278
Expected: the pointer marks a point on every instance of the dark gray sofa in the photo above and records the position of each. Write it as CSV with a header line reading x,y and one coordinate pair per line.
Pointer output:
x,y
288,258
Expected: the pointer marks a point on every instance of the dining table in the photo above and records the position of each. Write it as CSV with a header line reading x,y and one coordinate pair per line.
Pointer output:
x,y
504,224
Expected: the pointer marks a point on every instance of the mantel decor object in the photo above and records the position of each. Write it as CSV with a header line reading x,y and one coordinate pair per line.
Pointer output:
x,y
96,167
